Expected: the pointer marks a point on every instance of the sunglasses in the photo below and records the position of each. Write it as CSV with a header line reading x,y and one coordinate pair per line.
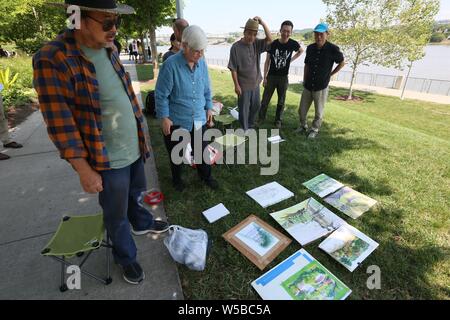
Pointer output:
x,y
108,23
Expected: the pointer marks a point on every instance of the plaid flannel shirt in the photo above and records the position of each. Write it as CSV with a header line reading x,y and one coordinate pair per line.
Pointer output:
x,y
69,100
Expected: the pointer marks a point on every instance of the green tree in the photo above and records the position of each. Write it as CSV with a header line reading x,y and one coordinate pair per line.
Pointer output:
x,y
30,23
372,31
309,36
416,27
149,16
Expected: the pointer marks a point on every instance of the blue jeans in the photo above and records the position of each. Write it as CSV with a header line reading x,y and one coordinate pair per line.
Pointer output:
x,y
119,200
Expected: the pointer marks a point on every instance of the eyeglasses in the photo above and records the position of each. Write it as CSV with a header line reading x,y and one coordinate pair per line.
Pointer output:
x,y
197,52
108,23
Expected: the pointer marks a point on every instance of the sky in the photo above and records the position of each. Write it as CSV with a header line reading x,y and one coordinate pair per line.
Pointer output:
x,y
223,16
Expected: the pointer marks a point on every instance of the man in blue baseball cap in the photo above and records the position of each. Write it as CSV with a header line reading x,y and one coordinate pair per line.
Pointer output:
x,y
320,59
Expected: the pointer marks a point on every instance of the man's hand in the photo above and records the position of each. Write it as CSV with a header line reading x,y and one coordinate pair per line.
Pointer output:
x,y
238,90
91,181
210,119
166,124
258,19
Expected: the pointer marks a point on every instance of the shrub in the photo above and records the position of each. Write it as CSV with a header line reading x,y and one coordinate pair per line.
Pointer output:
x,y
437,37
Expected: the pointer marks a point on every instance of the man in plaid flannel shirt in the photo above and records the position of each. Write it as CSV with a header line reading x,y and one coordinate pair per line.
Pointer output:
x,y
94,119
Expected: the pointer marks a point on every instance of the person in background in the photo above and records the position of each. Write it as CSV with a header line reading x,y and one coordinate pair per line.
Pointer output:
x,y
244,64
320,59
135,50
184,102
175,47
276,71
5,138
140,53
149,52
178,27
130,51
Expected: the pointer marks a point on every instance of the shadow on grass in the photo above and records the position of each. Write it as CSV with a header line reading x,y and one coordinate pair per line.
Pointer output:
x,y
405,268
337,92
407,272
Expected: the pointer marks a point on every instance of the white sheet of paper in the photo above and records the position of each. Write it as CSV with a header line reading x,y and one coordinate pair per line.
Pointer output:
x,y
275,139
216,213
270,194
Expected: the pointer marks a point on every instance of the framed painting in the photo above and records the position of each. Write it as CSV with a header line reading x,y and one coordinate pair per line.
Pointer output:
x,y
257,240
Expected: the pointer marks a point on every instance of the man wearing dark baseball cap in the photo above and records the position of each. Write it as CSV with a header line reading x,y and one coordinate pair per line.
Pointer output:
x,y
320,59
95,121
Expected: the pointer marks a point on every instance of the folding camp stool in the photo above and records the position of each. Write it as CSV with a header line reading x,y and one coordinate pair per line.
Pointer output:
x,y
225,120
229,142
75,237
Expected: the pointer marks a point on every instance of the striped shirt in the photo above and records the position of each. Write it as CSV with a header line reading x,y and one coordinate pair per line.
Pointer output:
x,y
69,100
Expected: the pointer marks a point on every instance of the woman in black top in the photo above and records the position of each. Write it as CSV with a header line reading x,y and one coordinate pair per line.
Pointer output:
x,y
175,47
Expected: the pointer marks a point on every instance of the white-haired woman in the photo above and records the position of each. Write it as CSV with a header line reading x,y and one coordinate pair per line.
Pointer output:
x,y
183,100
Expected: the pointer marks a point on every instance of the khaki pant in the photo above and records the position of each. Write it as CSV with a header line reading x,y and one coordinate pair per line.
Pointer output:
x,y
249,103
308,97
4,134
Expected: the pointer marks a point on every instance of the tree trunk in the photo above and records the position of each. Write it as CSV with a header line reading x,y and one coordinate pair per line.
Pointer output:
x,y
154,47
350,93
352,81
406,81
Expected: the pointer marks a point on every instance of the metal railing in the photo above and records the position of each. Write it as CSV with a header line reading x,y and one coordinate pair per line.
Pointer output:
x,y
430,86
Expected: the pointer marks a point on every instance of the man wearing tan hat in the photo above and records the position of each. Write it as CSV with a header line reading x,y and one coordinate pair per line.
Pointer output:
x,y
95,121
244,64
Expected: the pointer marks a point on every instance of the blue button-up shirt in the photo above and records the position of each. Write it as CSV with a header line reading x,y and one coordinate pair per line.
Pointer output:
x,y
183,94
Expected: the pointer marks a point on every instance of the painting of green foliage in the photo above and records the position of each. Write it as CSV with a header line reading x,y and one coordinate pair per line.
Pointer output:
x,y
323,185
314,282
350,252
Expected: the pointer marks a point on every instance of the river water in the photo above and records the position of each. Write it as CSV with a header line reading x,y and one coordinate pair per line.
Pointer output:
x,y
435,64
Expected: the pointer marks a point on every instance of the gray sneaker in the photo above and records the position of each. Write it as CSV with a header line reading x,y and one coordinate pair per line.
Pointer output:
x,y
157,227
302,130
312,135
133,273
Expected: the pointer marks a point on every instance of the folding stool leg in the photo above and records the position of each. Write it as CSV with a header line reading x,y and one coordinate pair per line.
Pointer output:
x,y
108,260
63,287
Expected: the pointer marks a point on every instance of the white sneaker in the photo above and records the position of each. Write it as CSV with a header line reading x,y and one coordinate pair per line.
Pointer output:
x,y
312,135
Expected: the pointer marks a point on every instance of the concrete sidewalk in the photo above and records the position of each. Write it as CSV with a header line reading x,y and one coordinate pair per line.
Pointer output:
x,y
37,189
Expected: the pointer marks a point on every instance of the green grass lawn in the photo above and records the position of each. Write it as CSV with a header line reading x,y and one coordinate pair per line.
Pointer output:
x,y
145,72
397,152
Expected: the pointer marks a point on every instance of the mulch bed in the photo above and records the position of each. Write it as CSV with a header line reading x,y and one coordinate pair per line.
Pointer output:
x,y
345,98
16,115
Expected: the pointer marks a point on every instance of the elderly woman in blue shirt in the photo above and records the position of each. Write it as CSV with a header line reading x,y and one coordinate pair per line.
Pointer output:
x,y
184,102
